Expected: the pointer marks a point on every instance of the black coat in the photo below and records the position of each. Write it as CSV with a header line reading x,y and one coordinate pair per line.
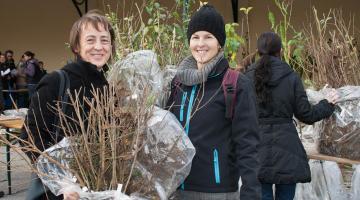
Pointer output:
x,y
282,155
225,149
8,80
41,116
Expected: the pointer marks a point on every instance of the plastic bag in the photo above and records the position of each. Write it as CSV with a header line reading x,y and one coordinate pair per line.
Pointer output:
x,y
162,164
55,174
327,183
139,70
339,135
21,113
355,182
168,74
166,157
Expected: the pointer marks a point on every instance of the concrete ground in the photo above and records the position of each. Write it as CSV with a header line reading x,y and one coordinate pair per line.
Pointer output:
x,y
20,175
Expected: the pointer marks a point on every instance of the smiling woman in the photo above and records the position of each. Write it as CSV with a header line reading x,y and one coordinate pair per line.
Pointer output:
x,y
204,46
226,148
92,42
95,45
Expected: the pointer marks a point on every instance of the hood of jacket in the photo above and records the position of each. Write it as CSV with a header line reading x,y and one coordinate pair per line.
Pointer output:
x,y
280,69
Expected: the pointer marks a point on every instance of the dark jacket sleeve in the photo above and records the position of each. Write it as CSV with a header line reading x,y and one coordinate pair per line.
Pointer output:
x,y
245,134
170,100
41,115
304,111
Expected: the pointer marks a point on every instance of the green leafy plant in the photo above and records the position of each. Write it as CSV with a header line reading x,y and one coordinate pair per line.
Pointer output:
x,y
292,40
283,26
153,27
233,43
246,11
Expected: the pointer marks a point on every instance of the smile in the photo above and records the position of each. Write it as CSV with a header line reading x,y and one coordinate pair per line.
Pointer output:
x,y
201,51
97,55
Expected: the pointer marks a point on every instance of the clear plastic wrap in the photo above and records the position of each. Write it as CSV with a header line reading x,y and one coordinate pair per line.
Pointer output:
x,y
339,135
21,113
356,182
168,75
327,183
166,157
162,164
55,174
139,70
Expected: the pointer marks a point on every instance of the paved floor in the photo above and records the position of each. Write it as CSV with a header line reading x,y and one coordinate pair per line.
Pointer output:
x,y
20,175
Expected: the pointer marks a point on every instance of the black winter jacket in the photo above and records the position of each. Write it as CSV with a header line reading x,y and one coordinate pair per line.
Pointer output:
x,y
8,80
82,76
282,155
225,149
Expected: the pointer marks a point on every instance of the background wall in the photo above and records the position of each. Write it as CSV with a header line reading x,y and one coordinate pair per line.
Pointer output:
x,y
43,26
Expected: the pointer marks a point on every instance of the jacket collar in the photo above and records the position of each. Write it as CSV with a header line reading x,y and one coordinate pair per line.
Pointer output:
x,y
220,68
82,68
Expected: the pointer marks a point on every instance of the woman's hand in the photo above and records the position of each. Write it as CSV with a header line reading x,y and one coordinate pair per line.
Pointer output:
x,y
71,196
332,96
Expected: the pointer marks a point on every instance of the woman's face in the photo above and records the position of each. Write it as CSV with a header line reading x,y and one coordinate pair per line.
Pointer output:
x,y
95,45
26,58
2,58
204,46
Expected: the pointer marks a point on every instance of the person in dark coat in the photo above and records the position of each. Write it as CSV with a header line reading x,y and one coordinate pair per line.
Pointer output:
x,y
92,41
226,149
32,71
280,96
42,68
2,101
7,68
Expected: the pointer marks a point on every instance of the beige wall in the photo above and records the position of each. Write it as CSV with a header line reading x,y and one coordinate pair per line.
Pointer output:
x,y
43,26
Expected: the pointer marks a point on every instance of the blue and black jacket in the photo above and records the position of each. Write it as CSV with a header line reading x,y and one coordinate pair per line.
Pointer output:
x,y
225,148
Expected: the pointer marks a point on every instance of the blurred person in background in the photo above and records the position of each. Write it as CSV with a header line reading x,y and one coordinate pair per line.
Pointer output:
x,y
42,68
8,69
21,84
32,71
2,102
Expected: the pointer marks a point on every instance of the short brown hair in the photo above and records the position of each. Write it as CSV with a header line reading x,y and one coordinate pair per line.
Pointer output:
x,y
93,17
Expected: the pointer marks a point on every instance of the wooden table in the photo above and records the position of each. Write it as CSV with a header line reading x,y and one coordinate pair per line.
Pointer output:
x,y
11,122
313,153
319,156
8,123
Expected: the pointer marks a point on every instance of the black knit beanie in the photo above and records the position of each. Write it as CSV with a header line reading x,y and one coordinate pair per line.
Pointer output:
x,y
207,19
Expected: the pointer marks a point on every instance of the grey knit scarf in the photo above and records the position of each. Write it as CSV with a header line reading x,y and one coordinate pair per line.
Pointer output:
x,y
188,73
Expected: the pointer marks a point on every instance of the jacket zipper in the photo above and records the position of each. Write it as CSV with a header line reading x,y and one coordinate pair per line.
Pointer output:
x,y
216,167
182,107
188,116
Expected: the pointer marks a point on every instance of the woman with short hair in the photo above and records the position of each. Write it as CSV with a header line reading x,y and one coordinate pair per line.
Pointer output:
x,y
92,42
